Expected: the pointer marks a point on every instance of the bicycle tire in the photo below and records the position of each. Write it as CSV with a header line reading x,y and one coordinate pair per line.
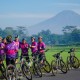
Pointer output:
x,y
46,66
37,69
77,61
10,75
68,63
53,67
26,70
63,66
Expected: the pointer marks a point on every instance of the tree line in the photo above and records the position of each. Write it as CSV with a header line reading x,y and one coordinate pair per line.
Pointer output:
x,y
70,36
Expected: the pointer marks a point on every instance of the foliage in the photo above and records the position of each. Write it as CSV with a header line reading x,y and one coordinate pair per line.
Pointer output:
x,y
70,36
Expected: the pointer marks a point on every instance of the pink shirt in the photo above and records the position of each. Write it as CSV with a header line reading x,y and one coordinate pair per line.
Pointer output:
x,y
41,47
17,44
24,47
2,51
35,48
11,50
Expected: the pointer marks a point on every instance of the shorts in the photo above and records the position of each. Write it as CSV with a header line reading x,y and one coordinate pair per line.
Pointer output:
x,y
40,57
26,57
10,61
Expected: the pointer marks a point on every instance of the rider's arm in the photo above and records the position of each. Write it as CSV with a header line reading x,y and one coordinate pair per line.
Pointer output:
x,y
43,46
35,45
2,47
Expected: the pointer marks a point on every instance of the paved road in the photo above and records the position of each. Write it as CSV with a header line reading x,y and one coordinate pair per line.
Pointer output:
x,y
71,75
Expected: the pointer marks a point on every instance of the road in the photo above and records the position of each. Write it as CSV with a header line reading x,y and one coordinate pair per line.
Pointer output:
x,y
71,75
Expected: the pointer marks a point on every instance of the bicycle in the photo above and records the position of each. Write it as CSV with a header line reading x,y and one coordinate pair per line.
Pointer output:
x,y
44,64
11,71
24,68
58,63
35,66
72,60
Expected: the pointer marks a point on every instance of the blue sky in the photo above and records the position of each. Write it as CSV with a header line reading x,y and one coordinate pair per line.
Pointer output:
x,y
29,12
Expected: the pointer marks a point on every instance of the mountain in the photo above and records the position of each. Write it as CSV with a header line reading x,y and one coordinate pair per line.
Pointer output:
x,y
56,23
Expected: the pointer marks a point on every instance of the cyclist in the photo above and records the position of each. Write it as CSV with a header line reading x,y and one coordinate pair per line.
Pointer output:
x,y
11,50
2,50
17,44
41,48
33,47
24,46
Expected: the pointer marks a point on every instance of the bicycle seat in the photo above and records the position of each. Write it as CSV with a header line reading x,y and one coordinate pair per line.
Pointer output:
x,y
56,55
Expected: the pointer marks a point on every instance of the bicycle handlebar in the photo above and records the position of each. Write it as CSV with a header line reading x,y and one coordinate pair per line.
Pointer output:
x,y
58,54
71,50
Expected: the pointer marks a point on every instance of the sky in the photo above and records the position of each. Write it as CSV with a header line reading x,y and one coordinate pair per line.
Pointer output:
x,y
29,12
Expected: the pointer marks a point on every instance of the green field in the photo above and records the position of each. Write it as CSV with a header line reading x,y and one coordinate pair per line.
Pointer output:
x,y
64,55
54,50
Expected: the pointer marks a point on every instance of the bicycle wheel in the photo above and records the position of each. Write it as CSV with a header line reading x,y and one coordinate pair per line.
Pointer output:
x,y
26,71
63,66
37,70
46,66
11,72
53,67
75,62
69,63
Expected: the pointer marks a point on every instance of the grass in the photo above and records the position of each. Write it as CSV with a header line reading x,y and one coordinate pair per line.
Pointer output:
x,y
64,55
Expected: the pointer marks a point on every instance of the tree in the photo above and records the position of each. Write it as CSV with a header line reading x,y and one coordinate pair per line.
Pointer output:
x,y
22,31
68,29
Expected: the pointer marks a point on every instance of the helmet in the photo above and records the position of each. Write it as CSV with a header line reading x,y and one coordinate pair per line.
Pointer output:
x,y
8,38
33,38
23,39
40,37
16,36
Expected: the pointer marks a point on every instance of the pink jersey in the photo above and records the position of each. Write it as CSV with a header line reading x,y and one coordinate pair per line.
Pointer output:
x,y
11,50
41,47
35,48
2,51
24,47
17,44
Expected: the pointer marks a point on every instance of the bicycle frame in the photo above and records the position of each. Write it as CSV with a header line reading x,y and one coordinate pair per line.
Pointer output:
x,y
58,58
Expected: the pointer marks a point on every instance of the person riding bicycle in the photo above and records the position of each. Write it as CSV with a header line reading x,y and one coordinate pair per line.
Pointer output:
x,y
33,47
24,46
11,50
41,48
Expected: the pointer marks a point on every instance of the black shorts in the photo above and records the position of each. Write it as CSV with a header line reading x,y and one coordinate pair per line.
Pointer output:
x,y
26,57
34,55
41,56
10,61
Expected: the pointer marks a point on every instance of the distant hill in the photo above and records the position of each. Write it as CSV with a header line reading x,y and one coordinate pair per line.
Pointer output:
x,y
56,23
